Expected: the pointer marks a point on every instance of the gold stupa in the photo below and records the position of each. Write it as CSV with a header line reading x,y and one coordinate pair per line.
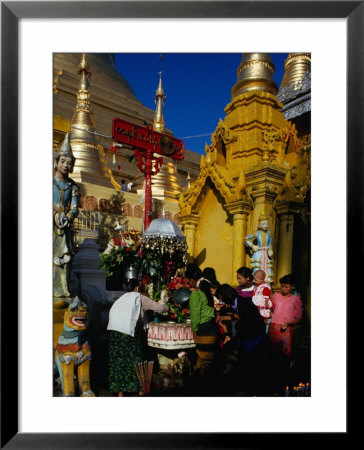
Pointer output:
x,y
91,165
255,72
295,92
295,67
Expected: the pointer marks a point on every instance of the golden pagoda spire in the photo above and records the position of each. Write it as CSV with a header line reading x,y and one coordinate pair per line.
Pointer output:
x,y
91,165
255,72
158,122
164,185
295,67
83,118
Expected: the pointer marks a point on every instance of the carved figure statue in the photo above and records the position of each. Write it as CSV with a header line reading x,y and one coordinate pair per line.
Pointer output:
x,y
73,351
182,365
260,245
65,208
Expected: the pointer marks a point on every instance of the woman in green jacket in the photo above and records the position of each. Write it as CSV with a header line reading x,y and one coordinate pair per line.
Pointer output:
x,y
203,322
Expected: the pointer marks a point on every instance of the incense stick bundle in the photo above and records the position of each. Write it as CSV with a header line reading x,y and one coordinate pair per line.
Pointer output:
x,y
149,374
144,371
170,370
140,375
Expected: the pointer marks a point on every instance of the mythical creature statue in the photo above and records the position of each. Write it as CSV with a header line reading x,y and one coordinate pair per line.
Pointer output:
x,y
73,351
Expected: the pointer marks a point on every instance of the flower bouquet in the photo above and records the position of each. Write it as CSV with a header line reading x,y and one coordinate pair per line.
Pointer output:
x,y
162,257
179,283
122,251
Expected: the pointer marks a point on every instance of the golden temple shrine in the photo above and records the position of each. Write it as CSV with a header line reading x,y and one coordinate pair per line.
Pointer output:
x,y
257,166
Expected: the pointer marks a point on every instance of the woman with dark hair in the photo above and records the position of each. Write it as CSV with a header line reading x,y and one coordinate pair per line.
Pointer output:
x,y
209,274
203,322
250,337
127,324
244,277
192,270
287,313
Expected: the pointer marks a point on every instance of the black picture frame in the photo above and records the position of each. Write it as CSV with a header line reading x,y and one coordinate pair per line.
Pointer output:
x,y
11,12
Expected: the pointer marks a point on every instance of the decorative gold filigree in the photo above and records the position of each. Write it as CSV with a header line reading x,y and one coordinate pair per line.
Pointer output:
x,y
222,132
289,134
271,142
298,178
305,142
276,143
230,188
215,152
57,74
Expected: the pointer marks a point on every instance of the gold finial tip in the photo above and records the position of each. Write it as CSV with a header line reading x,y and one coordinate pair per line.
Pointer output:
x,y
160,92
84,67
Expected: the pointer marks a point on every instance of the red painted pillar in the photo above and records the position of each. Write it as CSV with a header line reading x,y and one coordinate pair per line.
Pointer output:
x,y
148,189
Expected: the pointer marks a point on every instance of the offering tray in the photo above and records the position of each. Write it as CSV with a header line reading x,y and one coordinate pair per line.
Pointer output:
x,y
170,335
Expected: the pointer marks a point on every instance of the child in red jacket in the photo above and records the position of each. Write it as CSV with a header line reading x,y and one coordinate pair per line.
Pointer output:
x,y
261,296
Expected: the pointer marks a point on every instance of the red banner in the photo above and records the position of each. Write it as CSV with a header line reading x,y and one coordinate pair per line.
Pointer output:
x,y
144,138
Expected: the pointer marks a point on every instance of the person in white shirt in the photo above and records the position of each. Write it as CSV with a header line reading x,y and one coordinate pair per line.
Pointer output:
x,y
127,327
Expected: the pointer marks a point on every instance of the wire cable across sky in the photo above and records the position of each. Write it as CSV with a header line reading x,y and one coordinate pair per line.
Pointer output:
x,y
197,88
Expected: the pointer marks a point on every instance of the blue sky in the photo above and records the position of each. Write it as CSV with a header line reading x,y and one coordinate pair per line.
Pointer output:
x,y
197,88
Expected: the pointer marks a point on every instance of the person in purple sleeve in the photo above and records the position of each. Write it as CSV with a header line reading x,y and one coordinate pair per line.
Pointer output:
x,y
244,277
